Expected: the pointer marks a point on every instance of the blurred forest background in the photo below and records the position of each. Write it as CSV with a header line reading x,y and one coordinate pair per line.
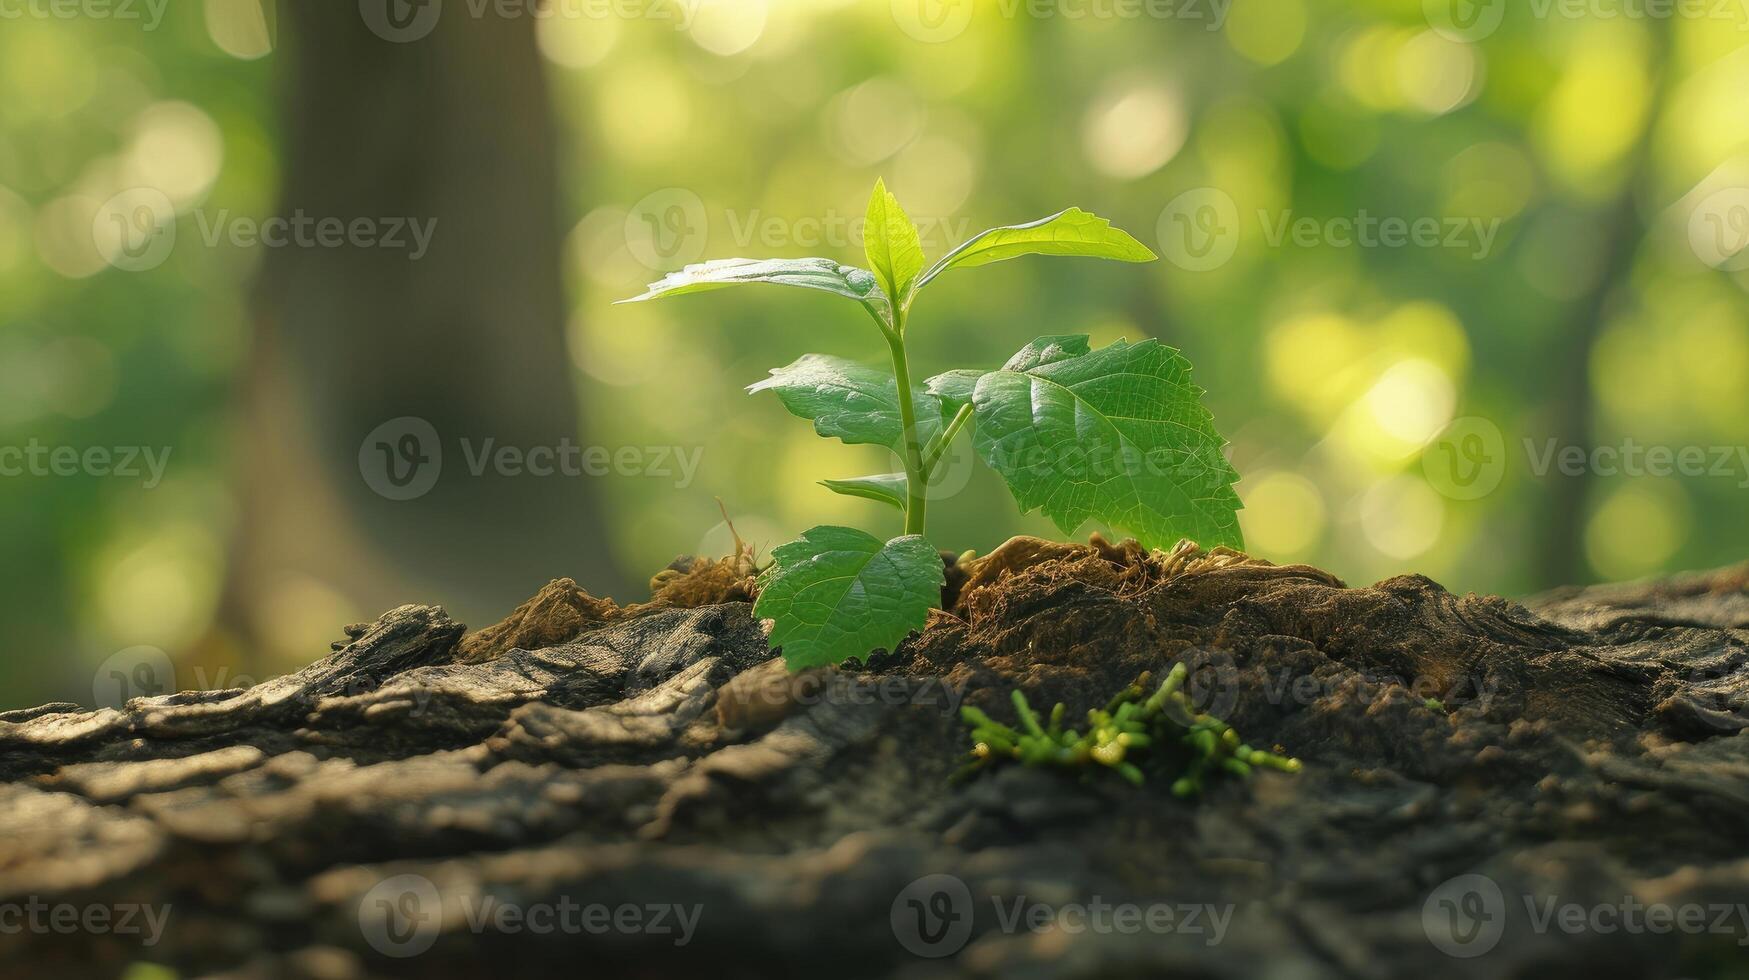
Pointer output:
x,y
1587,172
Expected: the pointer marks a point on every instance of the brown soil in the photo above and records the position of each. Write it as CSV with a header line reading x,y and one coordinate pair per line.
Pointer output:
x,y
1584,747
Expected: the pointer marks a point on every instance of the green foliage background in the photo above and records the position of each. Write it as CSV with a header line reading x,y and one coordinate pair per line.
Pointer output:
x,y
758,130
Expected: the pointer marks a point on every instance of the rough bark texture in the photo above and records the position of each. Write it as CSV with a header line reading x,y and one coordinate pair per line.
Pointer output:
x,y
1586,747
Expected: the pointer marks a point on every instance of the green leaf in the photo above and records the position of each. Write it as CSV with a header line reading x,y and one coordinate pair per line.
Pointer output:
x,y
889,239
888,488
844,280
1117,435
954,388
837,592
851,401
1071,232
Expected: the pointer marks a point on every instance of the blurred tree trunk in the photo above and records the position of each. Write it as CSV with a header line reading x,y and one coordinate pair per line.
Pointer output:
x,y
1573,408
453,127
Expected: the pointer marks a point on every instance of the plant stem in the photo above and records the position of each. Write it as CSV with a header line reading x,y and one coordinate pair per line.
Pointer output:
x,y
939,444
916,477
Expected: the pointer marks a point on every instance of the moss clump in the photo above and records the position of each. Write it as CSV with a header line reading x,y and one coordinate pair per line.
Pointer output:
x,y
1162,730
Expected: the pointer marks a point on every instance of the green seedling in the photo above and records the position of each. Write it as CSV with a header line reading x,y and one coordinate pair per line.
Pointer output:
x,y
1117,435
1135,730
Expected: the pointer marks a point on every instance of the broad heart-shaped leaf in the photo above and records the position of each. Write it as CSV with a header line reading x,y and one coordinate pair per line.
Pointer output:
x,y
1071,232
844,280
837,592
851,401
889,239
888,488
1117,435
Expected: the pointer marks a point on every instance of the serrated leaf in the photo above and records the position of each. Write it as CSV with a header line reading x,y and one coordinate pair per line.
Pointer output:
x,y
954,388
1048,350
1117,435
850,401
888,488
890,241
1071,232
823,274
837,593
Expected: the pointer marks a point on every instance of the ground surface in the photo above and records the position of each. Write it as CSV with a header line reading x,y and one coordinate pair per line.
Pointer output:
x,y
585,789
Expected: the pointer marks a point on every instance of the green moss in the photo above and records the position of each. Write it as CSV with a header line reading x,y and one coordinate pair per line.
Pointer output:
x,y
1133,734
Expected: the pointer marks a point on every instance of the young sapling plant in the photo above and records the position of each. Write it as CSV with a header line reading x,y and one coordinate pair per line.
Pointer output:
x,y
1117,435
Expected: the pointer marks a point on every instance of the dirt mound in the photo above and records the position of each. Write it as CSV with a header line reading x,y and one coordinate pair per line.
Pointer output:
x,y
1469,762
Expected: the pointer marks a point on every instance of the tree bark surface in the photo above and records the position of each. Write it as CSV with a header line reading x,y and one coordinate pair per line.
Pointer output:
x,y
1586,747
